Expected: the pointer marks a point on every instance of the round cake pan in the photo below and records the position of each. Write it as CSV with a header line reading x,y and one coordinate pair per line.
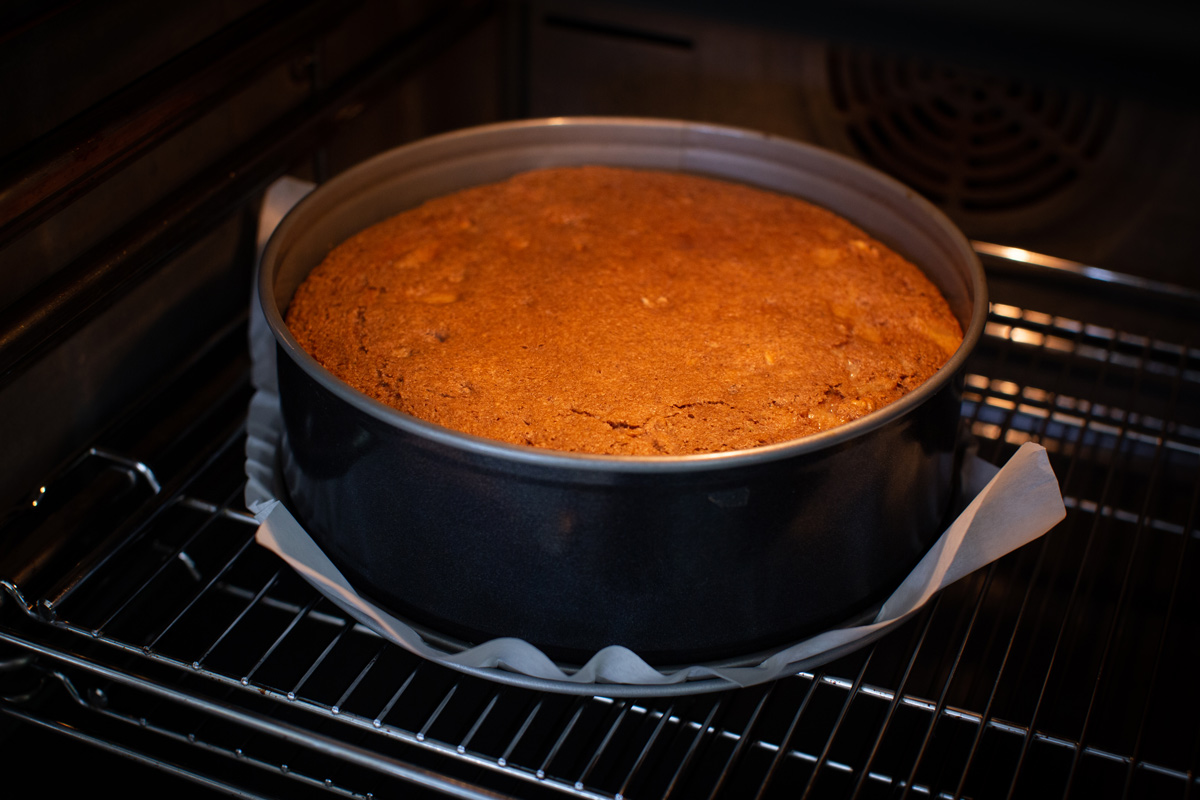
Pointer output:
x,y
679,558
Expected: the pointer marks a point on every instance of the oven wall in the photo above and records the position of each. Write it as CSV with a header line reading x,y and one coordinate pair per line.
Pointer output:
x,y
136,145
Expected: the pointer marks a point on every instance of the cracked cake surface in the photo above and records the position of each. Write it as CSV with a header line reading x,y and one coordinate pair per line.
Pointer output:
x,y
617,311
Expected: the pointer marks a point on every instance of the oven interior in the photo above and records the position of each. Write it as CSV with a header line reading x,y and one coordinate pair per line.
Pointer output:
x,y
145,637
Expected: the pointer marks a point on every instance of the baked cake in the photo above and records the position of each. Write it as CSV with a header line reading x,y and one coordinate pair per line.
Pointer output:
x,y
620,311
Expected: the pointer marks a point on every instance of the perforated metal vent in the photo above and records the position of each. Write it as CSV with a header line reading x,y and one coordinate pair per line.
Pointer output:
x,y
967,140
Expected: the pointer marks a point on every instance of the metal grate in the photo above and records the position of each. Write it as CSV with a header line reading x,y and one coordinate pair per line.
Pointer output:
x,y
1064,669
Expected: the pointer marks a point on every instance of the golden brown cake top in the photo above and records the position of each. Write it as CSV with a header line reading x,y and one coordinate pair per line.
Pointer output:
x,y
620,311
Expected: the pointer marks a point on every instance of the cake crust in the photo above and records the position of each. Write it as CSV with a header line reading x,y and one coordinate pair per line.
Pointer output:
x,y
617,311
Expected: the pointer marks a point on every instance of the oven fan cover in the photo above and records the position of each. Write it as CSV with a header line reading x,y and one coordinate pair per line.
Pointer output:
x,y
1063,170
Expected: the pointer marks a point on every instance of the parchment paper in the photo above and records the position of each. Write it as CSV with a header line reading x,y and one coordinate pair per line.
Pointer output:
x,y
1012,506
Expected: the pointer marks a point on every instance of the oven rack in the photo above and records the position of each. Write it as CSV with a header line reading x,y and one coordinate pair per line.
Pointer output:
x,y
138,616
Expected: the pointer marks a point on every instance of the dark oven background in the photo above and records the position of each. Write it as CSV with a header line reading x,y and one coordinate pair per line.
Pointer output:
x,y
138,137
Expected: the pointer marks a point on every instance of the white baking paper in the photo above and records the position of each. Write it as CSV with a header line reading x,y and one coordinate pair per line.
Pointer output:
x,y
1012,506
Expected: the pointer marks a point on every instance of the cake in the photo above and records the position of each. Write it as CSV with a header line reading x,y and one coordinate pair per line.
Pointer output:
x,y
618,311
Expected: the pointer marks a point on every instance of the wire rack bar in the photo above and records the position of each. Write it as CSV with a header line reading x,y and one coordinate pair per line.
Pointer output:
x,y
462,746
642,755
1122,596
622,708
299,615
940,707
441,706
823,757
1159,650
562,737
686,762
892,706
740,745
73,732
1074,599
247,541
387,709
785,741
329,648
274,727
241,615
337,707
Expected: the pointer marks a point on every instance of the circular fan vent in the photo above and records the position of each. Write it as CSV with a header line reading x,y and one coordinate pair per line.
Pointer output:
x,y
967,141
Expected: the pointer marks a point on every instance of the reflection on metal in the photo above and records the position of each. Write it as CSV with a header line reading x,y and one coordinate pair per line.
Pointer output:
x,y
138,467
1084,271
